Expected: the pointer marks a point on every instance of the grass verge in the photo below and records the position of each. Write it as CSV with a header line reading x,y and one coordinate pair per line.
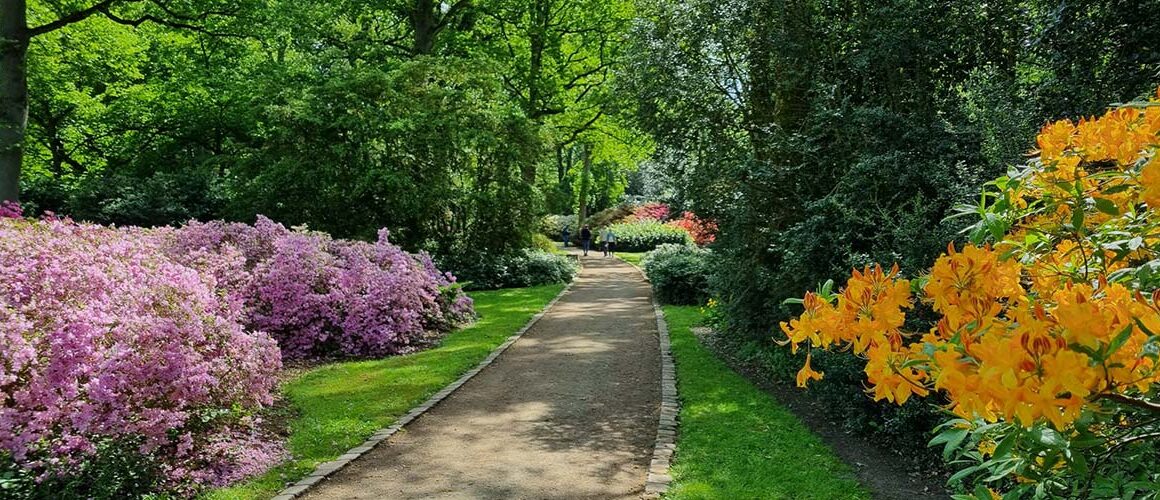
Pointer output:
x,y
631,257
339,405
737,442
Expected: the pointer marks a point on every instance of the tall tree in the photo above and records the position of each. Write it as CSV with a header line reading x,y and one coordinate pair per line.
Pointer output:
x,y
16,34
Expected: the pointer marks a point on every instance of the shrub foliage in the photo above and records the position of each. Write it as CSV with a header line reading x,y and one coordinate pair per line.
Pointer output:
x,y
679,273
520,269
645,235
1047,341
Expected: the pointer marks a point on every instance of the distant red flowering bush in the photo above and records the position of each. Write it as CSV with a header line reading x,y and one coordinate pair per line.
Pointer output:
x,y
654,211
703,231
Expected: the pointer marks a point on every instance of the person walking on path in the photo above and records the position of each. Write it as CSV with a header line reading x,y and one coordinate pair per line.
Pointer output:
x,y
564,236
586,238
609,239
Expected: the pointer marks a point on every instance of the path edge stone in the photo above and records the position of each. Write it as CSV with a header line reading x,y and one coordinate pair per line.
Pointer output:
x,y
326,469
659,480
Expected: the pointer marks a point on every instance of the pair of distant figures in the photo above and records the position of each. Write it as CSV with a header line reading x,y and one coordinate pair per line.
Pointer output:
x,y
607,239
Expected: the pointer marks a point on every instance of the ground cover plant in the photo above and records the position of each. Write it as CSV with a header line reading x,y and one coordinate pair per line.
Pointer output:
x,y
633,258
337,406
1045,342
735,441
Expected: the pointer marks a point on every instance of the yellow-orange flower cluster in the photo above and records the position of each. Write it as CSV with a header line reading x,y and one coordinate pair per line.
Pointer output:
x,y
1049,321
868,312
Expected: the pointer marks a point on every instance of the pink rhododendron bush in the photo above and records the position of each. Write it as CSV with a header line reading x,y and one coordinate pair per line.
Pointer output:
x,y
136,360
651,211
114,352
321,297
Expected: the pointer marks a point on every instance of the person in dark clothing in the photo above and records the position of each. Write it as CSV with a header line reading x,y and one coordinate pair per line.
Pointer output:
x,y
586,238
564,236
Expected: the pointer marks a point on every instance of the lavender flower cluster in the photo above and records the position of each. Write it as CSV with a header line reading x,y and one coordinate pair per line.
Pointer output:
x,y
171,339
321,297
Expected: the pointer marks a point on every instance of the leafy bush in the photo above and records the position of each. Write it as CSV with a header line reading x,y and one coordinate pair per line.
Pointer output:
x,y
553,225
123,367
1045,339
543,243
525,268
609,216
321,297
646,235
679,273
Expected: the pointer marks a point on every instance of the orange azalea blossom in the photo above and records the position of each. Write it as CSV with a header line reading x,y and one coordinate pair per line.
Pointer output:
x,y
1150,182
966,287
1049,321
817,324
807,373
1054,139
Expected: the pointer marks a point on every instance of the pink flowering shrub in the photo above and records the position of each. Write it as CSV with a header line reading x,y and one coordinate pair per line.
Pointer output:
x,y
110,345
651,211
10,210
703,231
321,297
134,360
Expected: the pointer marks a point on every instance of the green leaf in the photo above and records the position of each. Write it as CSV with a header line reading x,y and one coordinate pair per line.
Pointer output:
x,y
1118,188
1077,219
1119,341
1079,463
960,475
1049,437
952,439
1007,444
1107,206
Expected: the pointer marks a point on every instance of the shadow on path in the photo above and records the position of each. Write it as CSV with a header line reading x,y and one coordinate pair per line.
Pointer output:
x,y
569,411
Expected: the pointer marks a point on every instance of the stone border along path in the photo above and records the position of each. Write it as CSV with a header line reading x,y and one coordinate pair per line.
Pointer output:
x,y
666,443
327,469
659,479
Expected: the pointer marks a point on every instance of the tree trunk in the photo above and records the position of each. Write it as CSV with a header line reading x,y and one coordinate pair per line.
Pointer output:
x,y
425,27
585,177
13,95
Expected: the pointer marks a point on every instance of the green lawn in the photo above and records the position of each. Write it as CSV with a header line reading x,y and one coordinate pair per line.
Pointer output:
x,y
735,441
340,405
631,257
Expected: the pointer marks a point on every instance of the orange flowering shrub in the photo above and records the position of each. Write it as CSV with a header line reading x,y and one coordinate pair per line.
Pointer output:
x,y
1045,350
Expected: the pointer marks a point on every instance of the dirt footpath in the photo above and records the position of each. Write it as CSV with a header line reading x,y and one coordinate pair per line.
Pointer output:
x,y
569,411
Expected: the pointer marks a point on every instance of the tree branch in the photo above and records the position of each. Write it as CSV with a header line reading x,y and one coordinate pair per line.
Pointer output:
x,y
73,18
1130,401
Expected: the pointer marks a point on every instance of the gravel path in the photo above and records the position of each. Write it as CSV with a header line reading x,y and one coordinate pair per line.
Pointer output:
x,y
569,411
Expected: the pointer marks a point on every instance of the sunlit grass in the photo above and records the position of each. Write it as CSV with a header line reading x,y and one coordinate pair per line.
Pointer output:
x,y
737,442
631,257
339,405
